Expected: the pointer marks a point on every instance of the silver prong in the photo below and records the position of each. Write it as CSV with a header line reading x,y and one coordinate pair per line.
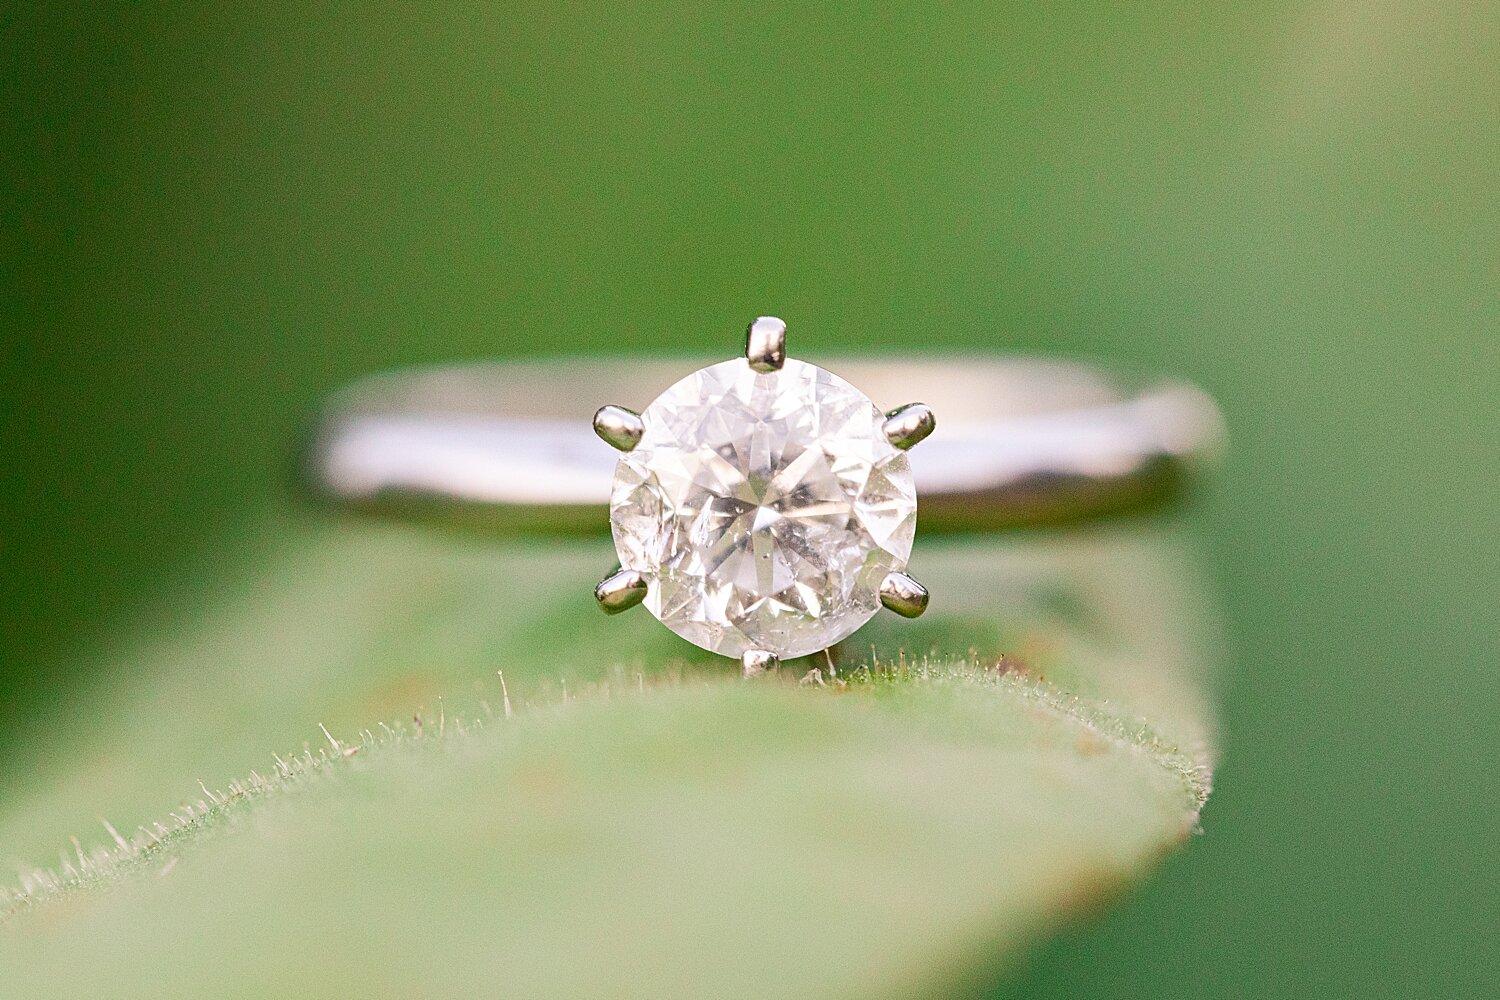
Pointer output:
x,y
619,427
903,595
758,661
765,344
906,426
621,591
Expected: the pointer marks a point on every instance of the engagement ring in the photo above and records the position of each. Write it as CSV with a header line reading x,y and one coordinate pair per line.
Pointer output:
x,y
763,508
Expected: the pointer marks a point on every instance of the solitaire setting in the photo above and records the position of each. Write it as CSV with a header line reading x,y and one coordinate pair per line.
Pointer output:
x,y
763,508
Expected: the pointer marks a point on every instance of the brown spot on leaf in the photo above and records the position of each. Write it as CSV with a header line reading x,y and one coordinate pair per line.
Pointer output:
x,y
1093,892
1091,744
1009,664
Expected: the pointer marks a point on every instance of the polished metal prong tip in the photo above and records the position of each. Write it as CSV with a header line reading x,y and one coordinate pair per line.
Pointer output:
x,y
903,595
620,428
765,344
906,426
621,591
758,661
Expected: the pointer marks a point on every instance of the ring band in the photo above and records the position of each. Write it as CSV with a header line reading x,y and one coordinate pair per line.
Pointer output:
x,y
509,446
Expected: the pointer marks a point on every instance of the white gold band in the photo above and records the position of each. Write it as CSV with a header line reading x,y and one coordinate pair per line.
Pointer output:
x,y
510,445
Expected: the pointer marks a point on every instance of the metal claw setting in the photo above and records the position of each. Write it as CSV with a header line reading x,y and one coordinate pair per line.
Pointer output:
x,y
757,661
903,595
765,344
907,426
621,591
620,428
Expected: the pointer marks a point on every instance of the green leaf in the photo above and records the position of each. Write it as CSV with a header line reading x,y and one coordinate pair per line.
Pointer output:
x,y
624,817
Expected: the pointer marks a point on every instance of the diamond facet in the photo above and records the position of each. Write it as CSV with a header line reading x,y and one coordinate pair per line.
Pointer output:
x,y
764,509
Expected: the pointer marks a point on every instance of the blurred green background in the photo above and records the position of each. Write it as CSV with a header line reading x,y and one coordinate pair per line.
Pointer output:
x,y
215,218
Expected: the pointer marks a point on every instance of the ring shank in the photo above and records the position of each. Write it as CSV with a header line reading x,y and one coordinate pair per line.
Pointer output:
x,y
508,446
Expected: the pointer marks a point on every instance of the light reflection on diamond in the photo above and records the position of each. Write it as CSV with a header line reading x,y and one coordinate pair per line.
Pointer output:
x,y
764,509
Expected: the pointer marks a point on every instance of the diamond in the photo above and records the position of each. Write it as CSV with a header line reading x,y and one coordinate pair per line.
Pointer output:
x,y
764,509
